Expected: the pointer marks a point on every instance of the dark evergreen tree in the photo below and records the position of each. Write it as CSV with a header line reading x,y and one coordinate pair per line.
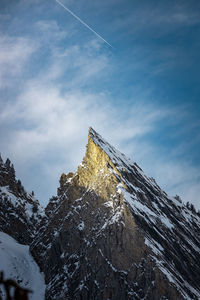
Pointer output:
x,y
1,160
35,208
192,208
178,198
20,187
12,171
7,164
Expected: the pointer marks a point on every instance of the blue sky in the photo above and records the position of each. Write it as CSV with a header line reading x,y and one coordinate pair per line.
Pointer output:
x,y
57,78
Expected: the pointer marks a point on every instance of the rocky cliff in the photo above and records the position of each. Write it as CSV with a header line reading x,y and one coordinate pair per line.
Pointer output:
x,y
113,233
20,211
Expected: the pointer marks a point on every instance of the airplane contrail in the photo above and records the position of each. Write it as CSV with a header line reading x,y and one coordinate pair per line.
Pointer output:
x,y
75,16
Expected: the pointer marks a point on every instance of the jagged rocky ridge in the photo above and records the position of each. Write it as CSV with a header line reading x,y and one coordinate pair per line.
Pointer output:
x,y
20,212
112,233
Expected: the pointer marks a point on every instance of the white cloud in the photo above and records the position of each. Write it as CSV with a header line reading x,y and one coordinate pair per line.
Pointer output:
x,y
14,53
162,17
49,31
55,126
47,124
49,127
56,135
50,118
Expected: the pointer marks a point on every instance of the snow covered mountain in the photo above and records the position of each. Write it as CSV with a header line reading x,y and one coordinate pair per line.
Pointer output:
x,y
114,234
110,233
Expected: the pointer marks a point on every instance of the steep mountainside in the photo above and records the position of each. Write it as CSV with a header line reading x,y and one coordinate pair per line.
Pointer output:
x,y
112,233
20,212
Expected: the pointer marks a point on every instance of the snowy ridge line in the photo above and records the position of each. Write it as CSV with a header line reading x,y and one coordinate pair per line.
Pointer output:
x,y
124,164
17,201
121,162
115,156
178,281
161,264
150,217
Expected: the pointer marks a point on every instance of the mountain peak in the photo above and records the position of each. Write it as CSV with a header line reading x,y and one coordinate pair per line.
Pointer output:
x,y
116,160
105,156
112,233
97,169
115,234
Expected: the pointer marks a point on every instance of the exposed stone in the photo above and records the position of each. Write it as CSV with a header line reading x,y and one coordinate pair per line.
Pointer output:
x,y
20,212
114,234
110,233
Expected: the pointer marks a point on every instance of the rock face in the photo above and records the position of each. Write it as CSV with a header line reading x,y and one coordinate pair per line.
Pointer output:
x,y
112,233
20,212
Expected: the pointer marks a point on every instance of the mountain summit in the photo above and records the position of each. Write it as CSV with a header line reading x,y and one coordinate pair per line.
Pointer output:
x,y
112,233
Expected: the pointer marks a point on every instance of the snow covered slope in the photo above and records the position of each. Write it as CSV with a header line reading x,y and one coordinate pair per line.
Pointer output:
x,y
17,263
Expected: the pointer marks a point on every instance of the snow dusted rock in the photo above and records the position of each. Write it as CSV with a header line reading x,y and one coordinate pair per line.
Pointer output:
x,y
112,233
20,212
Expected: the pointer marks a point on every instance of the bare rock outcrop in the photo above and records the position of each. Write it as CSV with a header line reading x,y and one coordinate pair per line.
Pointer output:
x,y
20,212
112,233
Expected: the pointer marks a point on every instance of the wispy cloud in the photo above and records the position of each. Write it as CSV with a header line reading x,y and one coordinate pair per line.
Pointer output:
x,y
46,122
49,31
164,17
55,125
14,53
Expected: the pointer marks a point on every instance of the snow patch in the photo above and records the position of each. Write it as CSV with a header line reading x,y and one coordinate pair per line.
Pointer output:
x,y
81,226
17,263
